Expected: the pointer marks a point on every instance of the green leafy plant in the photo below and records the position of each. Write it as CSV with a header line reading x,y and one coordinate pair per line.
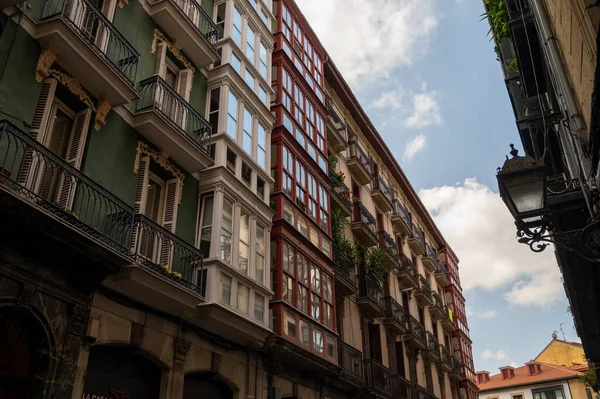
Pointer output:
x,y
497,16
512,66
376,264
334,156
589,379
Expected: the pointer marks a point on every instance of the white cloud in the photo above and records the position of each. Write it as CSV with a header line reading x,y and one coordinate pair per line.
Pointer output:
x,y
415,145
367,39
425,110
391,99
481,231
514,364
488,314
498,355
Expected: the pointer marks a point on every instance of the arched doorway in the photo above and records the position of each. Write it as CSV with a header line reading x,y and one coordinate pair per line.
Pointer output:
x,y
119,373
205,385
24,354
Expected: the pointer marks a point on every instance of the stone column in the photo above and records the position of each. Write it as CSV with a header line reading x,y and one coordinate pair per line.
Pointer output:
x,y
180,350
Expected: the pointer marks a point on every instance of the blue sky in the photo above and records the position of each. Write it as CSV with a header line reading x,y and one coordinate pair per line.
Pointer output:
x,y
427,75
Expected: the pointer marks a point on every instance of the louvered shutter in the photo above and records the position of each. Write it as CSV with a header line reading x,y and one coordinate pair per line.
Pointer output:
x,y
169,222
47,172
39,125
75,148
141,196
184,88
160,62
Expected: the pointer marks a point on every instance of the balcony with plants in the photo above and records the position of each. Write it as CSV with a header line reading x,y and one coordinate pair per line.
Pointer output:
x,y
378,378
346,256
395,317
437,310
423,293
186,22
337,131
441,275
389,247
87,46
359,164
401,219
364,224
417,241
381,193
370,299
165,118
416,335
407,273
341,198
156,267
430,259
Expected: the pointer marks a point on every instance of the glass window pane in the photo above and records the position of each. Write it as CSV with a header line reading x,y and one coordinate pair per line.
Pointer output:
x,y
259,307
232,107
225,289
304,333
242,298
289,325
318,340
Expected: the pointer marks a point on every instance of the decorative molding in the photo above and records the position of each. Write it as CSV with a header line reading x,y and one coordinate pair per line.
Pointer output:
x,y
159,158
47,58
74,87
123,3
174,48
180,348
102,110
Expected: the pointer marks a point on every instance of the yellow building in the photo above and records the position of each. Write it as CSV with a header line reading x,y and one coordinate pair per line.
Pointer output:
x,y
562,353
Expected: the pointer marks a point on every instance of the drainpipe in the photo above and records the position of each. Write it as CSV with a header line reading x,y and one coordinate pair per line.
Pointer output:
x,y
578,165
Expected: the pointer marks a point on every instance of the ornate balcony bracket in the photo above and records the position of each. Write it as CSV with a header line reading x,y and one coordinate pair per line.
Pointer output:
x,y
174,48
161,159
47,58
123,3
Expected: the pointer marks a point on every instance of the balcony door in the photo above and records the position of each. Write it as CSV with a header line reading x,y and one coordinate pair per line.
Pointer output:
x,y
92,18
375,342
400,359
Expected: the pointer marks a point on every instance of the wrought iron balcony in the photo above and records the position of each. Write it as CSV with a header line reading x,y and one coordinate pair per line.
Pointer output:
x,y
171,123
341,193
370,298
337,129
441,275
430,260
186,22
448,319
351,362
162,251
401,387
446,359
37,175
364,225
434,347
401,219
423,293
359,164
89,47
345,274
437,310
378,377
407,273
517,9
457,368
381,193
416,334
395,316
417,241
390,250
528,108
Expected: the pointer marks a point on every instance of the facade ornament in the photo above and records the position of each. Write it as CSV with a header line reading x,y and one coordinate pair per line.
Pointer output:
x,y
47,58
123,3
174,48
102,110
144,149
74,87
180,348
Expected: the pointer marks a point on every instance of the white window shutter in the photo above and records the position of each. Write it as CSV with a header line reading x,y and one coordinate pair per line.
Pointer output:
x,y
169,222
141,196
184,83
160,62
39,126
75,148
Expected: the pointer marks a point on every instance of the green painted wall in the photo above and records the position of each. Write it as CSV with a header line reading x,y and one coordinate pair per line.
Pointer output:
x,y
19,91
208,6
188,210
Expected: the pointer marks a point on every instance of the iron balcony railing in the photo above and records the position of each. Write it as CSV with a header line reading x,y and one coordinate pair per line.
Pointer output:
x,y
433,343
351,361
156,94
200,19
344,265
407,266
437,300
445,356
424,285
417,329
340,189
371,289
443,269
401,387
41,177
379,184
393,310
517,9
431,253
525,107
457,365
362,215
357,152
401,211
387,243
378,376
157,248
98,32
336,121
418,235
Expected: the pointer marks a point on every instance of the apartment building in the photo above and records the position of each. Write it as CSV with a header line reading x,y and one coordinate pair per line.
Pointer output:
x,y
194,203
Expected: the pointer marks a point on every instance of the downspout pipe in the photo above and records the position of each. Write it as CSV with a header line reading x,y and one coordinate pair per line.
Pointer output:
x,y
578,164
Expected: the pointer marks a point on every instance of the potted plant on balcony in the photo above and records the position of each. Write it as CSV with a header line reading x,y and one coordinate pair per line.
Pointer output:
x,y
334,156
337,179
376,265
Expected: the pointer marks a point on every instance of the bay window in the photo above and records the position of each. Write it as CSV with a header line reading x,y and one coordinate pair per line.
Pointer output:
x,y
236,31
261,156
247,136
259,260
206,224
242,298
225,289
318,340
250,40
232,116
226,230
244,242
259,307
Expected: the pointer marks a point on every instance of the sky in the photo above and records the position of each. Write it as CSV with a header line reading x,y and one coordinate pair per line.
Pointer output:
x,y
426,73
